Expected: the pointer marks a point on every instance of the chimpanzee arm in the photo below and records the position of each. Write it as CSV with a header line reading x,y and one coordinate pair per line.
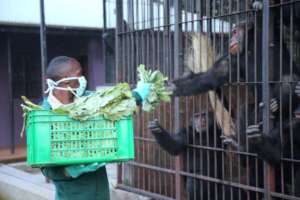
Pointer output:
x,y
174,144
216,76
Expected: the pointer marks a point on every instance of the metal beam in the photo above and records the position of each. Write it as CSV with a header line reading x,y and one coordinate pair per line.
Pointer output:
x,y
266,88
177,64
10,95
43,42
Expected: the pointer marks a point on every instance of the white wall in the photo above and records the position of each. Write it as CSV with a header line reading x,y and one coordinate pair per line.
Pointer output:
x,y
70,13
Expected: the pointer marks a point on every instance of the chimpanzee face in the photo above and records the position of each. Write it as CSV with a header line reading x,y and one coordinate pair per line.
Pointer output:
x,y
199,122
237,39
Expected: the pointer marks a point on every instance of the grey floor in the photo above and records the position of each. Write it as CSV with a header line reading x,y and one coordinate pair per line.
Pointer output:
x,y
20,182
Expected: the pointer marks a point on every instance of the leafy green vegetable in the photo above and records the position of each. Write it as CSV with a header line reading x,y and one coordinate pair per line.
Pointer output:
x,y
158,91
112,103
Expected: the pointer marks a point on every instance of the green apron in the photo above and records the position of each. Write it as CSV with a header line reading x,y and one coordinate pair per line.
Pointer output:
x,y
89,185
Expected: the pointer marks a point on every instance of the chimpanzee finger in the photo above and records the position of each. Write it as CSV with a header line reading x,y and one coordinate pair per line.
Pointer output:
x,y
274,100
261,104
257,5
297,91
230,141
297,87
152,124
252,129
274,105
252,136
170,87
297,115
154,129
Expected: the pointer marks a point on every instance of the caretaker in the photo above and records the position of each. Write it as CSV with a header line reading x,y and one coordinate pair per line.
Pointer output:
x,y
76,182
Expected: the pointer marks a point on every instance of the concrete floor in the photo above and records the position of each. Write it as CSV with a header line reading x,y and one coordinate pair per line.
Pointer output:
x,y
20,182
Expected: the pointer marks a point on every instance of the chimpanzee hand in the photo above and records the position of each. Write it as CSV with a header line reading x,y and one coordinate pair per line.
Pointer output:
x,y
155,127
229,141
297,89
171,87
273,105
257,5
254,132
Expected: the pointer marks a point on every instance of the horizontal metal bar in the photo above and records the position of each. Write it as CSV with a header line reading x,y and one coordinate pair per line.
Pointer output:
x,y
284,3
144,139
142,192
223,182
52,30
133,163
288,197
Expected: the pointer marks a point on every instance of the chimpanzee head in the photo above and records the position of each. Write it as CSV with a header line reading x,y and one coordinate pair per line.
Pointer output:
x,y
201,121
237,40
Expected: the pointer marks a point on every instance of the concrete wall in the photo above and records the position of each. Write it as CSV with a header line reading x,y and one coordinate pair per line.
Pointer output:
x,y
4,99
96,66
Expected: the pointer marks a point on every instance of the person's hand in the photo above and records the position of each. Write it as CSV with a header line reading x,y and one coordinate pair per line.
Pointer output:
x,y
143,90
155,127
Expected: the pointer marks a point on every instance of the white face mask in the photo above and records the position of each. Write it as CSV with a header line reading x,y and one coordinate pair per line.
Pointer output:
x,y
78,92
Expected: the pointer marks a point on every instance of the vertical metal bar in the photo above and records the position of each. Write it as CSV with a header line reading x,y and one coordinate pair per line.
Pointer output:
x,y
290,102
163,24
104,54
10,96
271,69
119,21
177,63
43,42
104,15
265,85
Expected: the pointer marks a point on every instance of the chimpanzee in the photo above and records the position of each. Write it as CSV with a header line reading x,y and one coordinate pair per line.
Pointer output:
x,y
233,67
199,161
280,142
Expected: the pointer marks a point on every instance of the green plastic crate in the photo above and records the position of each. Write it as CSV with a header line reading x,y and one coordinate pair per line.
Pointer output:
x,y
54,139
